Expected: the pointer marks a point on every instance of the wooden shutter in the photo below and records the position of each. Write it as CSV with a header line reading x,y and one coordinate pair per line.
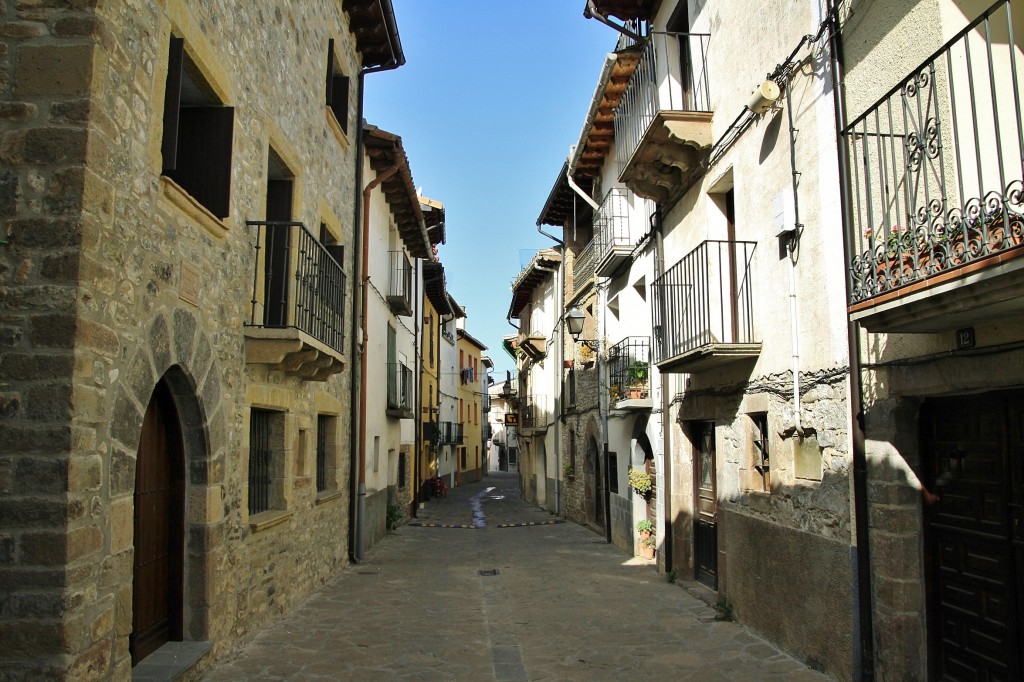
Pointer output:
x,y
204,156
172,103
339,102
330,72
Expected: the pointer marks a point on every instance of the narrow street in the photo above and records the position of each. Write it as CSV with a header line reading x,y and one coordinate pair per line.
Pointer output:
x,y
563,605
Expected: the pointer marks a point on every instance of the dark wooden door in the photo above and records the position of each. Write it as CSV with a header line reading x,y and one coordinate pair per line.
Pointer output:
x,y
705,522
972,451
277,256
157,587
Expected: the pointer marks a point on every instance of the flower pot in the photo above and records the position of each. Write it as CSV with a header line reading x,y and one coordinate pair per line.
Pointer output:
x,y
647,552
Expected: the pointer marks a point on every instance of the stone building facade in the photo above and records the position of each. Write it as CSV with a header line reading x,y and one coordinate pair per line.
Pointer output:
x,y
166,401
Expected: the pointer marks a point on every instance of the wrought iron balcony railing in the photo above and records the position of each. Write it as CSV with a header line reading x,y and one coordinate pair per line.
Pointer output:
x,y
672,76
443,433
400,283
703,307
535,412
618,225
399,390
629,369
297,284
583,266
937,164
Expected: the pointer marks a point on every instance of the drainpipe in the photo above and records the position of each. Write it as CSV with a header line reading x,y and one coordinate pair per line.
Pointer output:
x,y
364,301
666,426
864,624
418,435
356,461
792,253
354,381
591,13
579,190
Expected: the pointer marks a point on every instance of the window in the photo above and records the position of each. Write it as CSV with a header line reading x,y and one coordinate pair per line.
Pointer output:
x,y
280,182
613,472
337,89
759,452
266,443
476,416
462,454
198,134
326,452
461,420
376,453
462,360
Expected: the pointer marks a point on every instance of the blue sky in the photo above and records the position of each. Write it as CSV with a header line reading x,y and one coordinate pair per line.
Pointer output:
x,y
490,99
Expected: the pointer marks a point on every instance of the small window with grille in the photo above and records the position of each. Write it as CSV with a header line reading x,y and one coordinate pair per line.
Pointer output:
x,y
760,456
266,445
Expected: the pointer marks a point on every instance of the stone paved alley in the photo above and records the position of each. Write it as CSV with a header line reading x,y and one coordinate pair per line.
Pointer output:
x,y
563,606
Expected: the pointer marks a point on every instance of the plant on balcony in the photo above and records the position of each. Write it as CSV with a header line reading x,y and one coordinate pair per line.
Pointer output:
x,y
568,471
586,353
640,481
638,373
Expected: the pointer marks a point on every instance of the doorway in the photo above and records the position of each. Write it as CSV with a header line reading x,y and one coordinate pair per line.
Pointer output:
x,y
705,522
158,575
972,450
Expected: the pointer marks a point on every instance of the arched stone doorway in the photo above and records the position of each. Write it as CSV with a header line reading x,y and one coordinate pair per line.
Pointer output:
x,y
159,528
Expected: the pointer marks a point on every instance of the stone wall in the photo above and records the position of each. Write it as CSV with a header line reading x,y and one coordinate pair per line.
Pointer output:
x,y
792,587
113,280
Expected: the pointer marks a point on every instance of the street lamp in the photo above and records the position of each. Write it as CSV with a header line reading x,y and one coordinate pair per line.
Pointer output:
x,y
574,319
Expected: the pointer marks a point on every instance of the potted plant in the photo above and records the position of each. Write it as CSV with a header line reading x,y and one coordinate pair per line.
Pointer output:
x,y
645,527
640,481
638,372
647,548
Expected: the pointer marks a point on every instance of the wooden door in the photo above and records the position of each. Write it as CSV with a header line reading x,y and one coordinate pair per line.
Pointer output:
x,y
157,587
971,448
705,522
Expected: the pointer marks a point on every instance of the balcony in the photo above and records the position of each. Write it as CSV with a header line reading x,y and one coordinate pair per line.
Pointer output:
x,y
583,268
297,308
442,433
703,309
400,384
534,414
614,236
534,345
663,121
937,199
629,374
400,290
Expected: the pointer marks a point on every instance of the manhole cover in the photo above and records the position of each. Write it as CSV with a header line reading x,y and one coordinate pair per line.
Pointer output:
x,y
488,571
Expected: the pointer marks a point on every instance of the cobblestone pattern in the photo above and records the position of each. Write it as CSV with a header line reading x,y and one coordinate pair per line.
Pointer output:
x,y
92,317
541,603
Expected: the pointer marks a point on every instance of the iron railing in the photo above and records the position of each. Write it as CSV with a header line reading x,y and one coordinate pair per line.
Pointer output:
x,y
937,164
613,222
311,300
583,266
704,299
671,76
534,412
443,433
260,458
322,426
399,386
629,369
400,283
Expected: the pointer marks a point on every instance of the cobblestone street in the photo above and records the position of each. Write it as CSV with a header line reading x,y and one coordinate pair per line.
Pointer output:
x,y
562,605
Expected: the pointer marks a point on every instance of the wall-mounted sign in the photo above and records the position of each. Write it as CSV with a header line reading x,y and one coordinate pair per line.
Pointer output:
x,y
511,419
